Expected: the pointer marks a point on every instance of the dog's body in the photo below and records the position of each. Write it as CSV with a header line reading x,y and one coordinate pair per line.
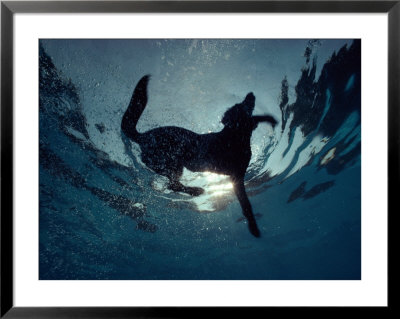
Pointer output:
x,y
167,150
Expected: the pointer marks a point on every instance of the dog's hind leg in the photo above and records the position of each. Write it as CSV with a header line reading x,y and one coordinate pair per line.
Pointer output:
x,y
238,186
176,186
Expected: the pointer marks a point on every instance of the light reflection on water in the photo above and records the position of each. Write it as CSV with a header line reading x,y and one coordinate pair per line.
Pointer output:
x,y
218,189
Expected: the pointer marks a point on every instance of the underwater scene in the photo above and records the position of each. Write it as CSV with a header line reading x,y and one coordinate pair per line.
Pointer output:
x,y
199,159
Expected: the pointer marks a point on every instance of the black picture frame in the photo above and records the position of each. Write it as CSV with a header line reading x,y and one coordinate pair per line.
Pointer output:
x,y
9,8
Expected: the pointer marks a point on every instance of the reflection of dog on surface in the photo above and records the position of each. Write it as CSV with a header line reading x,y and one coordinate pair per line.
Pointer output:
x,y
167,150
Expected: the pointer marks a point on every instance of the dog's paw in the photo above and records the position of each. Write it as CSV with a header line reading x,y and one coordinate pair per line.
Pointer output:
x,y
254,230
195,191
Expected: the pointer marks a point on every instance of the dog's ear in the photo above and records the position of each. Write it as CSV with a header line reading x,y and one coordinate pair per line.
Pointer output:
x,y
231,117
225,119
239,114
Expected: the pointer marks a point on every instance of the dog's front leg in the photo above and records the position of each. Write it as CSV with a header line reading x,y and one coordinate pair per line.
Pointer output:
x,y
264,118
238,186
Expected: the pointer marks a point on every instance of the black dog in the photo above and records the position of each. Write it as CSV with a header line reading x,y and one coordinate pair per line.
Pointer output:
x,y
167,150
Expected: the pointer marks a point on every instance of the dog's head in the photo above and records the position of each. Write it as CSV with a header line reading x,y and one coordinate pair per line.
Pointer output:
x,y
239,115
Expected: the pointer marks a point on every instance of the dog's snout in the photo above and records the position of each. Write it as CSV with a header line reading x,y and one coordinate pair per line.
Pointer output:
x,y
250,96
250,99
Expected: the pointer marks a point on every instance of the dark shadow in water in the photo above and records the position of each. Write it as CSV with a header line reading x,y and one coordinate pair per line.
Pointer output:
x,y
100,127
318,189
322,105
56,166
300,192
55,92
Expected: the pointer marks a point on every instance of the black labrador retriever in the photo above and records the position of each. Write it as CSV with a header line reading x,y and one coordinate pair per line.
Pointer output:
x,y
167,150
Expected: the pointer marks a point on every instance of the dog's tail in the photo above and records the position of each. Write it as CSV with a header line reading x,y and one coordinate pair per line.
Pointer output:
x,y
135,109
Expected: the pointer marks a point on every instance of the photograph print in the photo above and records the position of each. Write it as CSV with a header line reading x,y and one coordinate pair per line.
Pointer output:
x,y
199,159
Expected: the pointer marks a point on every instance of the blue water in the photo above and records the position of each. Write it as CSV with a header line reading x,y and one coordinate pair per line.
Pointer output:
x,y
104,215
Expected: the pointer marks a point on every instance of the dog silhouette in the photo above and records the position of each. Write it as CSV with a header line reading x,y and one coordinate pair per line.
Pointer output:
x,y
167,150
